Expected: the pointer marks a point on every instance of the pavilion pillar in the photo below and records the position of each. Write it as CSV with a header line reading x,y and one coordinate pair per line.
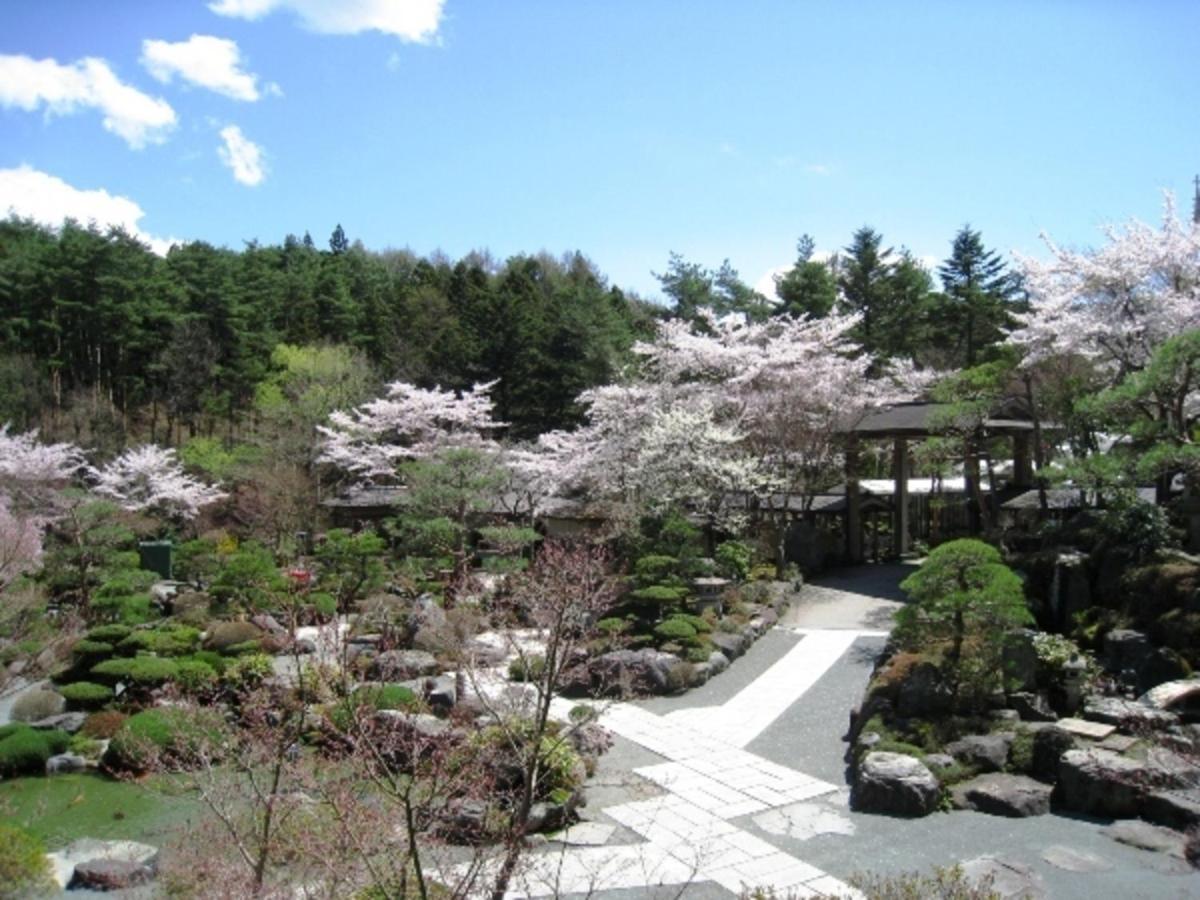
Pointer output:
x,y
1022,459
900,530
854,549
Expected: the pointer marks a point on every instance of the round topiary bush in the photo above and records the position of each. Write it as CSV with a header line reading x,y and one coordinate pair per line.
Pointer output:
x,y
24,750
103,725
224,635
109,634
527,668
86,694
675,629
141,670
179,640
89,647
167,737
388,696
195,676
25,870
33,706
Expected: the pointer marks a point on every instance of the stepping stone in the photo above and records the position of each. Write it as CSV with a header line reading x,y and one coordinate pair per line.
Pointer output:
x,y
1118,743
1009,878
802,821
585,834
1145,836
1072,860
1096,731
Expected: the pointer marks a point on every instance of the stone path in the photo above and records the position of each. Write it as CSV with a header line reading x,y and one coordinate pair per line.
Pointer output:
x,y
708,780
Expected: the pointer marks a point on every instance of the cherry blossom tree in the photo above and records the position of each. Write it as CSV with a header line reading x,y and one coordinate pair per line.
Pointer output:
x,y
1116,304
151,478
408,423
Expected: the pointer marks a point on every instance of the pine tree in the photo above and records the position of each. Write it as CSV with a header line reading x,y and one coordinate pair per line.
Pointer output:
x,y
980,297
864,280
808,288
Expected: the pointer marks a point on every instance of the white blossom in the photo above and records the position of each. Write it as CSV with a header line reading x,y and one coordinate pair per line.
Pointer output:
x,y
151,478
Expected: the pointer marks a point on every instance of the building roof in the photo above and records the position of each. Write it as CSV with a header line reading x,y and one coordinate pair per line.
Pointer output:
x,y
1064,498
918,419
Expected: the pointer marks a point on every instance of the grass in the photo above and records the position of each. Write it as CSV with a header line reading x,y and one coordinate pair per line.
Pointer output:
x,y
64,808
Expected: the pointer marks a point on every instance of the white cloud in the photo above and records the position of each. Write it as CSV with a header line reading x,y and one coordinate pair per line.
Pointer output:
x,y
818,169
416,21
243,157
210,62
766,284
31,194
135,117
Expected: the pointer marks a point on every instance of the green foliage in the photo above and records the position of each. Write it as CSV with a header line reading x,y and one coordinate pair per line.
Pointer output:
x,y
809,287
734,560
248,578
24,750
943,884
675,629
86,694
25,870
89,544
509,538
677,536
387,696
526,668
35,705
650,570
111,634
965,598
247,671
660,594
141,670
195,676
350,564
168,737
215,459
167,640
1141,527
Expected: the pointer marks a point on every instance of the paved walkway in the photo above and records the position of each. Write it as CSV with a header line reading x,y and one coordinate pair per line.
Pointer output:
x,y
708,780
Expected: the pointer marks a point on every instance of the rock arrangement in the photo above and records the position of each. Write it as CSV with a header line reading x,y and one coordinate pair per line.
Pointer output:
x,y
104,865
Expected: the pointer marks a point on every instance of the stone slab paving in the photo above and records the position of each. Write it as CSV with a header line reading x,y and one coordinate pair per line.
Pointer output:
x,y
709,780
741,719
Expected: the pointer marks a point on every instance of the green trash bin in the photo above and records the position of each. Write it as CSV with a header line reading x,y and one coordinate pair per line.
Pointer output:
x,y
155,556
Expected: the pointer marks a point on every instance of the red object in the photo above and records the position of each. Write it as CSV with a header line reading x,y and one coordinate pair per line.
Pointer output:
x,y
300,576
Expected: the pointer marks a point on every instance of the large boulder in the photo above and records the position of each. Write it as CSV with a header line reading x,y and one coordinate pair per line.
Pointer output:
x,y
633,672
1006,879
65,764
1102,783
1125,650
110,874
1128,715
998,794
731,645
140,859
1173,808
895,784
402,665
1160,667
986,752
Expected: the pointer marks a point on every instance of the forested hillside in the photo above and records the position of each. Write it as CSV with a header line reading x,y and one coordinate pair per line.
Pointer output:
x,y
102,341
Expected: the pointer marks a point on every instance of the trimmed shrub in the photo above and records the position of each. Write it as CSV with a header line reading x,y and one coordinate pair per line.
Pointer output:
x,y
25,870
223,636
246,647
661,594
88,647
170,737
654,568
35,705
675,629
248,671
734,560
195,676
212,657
103,725
177,641
24,750
142,670
111,634
86,694
701,624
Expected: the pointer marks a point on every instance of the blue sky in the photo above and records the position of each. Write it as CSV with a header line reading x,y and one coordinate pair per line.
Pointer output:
x,y
622,128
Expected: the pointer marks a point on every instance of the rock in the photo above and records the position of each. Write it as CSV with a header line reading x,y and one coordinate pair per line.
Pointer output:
x,y
110,874
1008,716
924,693
896,784
1173,808
1020,661
718,662
1099,782
633,672
1008,878
1125,650
65,764
545,816
268,623
69,722
399,665
867,740
986,752
1162,666
17,667
466,820
1032,707
1173,695
998,794
770,619
305,646
731,645
1049,744
586,834
1128,715
441,692
482,654
65,862
1095,731
1145,836
935,762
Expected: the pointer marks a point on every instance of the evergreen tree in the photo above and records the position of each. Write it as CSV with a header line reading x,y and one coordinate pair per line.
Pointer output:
x,y
338,243
808,288
980,297
864,279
